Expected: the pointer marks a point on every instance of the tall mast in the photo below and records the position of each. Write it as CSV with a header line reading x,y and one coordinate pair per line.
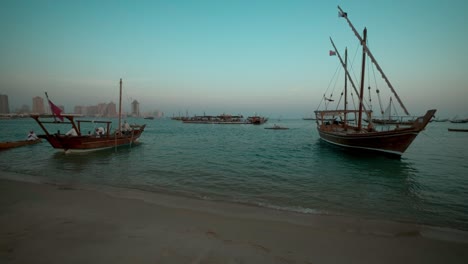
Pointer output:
x,y
346,87
346,70
366,49
120,105
361,92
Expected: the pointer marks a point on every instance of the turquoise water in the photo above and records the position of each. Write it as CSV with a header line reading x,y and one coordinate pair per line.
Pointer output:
x,y
285,169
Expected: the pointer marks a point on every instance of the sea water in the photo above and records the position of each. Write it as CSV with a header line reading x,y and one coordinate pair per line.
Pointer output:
x,y
283,169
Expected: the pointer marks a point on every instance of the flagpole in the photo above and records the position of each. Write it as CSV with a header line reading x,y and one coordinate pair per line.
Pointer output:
x,y
47,96
120,106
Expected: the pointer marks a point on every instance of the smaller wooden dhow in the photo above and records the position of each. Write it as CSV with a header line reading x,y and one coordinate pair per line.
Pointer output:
x,y
83,141
19,143
77,140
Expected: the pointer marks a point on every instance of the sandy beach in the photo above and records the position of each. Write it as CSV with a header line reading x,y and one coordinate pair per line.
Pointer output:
x,y
45,223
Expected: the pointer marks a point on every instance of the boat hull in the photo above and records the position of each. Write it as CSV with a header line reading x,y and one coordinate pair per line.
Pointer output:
x,y
71,144
387,142
393,142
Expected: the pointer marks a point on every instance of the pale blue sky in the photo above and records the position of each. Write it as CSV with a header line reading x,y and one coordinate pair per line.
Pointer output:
x,y
269,57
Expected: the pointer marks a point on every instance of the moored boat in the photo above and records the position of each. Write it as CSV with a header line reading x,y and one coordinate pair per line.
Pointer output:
x,y
357,136
80,141
277,127
257,120
219,119
457,130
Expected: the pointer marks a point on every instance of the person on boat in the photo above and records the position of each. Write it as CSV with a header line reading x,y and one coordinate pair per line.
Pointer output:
x,y
126,127
99,131
71,132
32,136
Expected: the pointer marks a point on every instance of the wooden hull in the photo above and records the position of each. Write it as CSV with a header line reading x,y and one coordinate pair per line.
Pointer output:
x,y
393,142
15,144
71,144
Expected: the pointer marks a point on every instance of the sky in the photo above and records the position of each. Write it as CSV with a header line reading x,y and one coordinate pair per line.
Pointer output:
x,y
234,56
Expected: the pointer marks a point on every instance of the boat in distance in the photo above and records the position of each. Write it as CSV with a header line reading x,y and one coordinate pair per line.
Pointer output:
x,y
76,140
225,119
457,130
277,127
357,136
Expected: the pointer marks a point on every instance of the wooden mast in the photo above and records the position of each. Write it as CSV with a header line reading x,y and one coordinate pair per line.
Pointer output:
x,y
346,88
366,49
120,106
361,91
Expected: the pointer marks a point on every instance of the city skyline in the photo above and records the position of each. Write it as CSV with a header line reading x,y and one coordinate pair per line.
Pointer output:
x,y
100,109
265,57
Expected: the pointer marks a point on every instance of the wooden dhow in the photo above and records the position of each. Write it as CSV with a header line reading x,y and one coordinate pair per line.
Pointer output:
x,y
357,135
81,141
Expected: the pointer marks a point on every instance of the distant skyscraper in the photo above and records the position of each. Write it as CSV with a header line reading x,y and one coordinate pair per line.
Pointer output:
x,y
135,108
38,105
4,107
102,109
111,110
81,110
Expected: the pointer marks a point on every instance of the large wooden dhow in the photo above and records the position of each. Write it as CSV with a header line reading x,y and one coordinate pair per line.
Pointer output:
x,y
335,127
83,141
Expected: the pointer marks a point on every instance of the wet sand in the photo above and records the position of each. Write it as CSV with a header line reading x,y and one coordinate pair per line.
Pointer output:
x,y
44,223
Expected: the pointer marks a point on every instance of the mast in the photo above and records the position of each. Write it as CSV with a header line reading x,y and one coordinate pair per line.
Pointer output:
x,y
120,105
346,87
361,92
346,71
366,49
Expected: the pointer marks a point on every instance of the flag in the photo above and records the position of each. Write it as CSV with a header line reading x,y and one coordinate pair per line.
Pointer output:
x,y
55,109
332,53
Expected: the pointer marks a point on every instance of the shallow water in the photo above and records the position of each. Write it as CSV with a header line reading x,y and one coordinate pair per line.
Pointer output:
x,y
286,169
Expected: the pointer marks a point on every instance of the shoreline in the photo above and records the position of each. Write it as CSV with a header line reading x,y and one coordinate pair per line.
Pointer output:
x,y
60,223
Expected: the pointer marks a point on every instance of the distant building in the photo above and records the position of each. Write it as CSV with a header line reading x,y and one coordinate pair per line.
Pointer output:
x,y
111,110
4,107
38,105
92,110
81,110
135,108
102,109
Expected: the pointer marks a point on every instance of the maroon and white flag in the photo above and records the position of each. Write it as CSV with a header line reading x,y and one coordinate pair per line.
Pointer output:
x,y
55,109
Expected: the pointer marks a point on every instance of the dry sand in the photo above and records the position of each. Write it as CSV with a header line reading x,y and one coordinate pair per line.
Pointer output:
x,y
44,223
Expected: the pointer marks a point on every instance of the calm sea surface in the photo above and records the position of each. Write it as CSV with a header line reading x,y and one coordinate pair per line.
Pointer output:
x,y
285,169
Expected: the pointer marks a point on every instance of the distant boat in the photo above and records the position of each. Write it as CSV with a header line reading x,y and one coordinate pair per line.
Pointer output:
x,y
440,120
459,121
277,127
149,117
81,142
457,130
219,119
257,120
393,141
388,119
19,143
